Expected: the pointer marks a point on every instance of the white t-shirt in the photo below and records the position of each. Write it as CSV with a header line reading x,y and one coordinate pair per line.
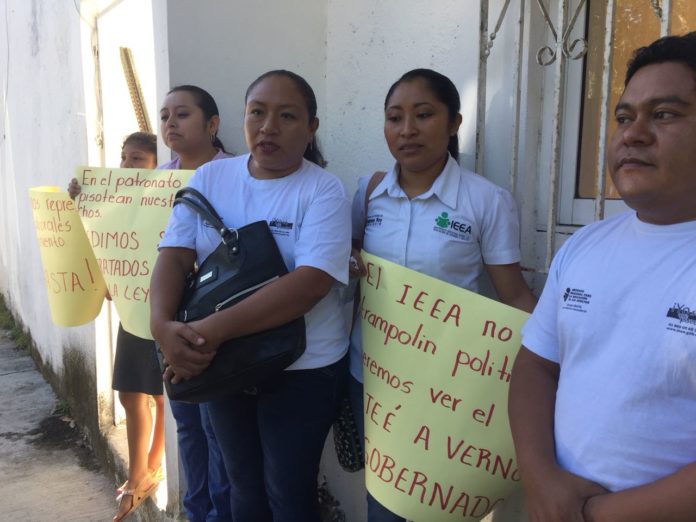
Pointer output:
x,y
618,313
448,232
175,164
309,215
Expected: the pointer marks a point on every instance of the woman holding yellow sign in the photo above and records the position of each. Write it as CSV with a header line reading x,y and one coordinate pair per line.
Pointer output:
x,y
136,374
189,125
431,215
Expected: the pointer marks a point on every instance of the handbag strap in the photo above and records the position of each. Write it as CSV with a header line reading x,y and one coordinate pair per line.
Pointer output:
x,y
375,180
202,207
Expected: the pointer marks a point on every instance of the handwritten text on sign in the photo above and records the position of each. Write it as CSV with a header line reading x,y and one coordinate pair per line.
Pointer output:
x,y
73,282
124,212
436,367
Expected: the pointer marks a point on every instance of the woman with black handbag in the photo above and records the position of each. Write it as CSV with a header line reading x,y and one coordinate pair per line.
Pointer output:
x,y
271,434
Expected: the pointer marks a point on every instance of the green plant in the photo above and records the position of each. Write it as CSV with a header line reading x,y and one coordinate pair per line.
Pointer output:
x,y
6,319
62,408
21,339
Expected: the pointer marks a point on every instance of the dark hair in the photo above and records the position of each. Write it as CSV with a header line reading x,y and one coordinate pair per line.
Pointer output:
x,y
206,103
443,89
145,140
312,152
668,49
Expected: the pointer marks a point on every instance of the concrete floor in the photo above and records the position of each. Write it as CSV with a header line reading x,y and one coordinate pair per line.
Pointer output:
x,y
46,471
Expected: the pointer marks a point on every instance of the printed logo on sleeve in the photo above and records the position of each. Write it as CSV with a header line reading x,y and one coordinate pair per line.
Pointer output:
x,y
685,319
452,227
576,299
374,220
280,227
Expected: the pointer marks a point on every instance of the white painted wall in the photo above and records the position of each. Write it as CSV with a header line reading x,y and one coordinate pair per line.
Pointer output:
x,y
43,136
224,46
369,46
128,24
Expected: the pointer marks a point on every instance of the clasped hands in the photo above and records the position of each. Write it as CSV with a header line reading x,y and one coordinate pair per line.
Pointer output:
x,y
188,349
556,495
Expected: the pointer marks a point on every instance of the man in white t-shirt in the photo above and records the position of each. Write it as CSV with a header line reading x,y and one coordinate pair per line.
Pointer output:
x,y
603,391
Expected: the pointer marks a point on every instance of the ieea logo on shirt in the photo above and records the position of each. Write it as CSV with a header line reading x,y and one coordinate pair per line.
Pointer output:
x,y
280,227
452,227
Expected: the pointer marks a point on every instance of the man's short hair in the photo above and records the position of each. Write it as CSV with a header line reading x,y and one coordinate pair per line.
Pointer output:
x,y
667,49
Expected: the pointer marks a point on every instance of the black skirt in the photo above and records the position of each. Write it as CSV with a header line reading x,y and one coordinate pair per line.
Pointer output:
x,y
136,368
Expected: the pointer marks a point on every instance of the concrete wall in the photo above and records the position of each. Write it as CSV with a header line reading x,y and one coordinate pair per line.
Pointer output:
x,y
224,46
128,24
43,136
371,44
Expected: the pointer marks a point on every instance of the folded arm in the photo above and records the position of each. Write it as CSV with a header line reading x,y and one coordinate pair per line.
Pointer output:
x,y
670,499
290,297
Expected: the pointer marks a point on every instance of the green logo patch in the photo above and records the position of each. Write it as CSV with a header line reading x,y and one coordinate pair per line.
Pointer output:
x,y
442,220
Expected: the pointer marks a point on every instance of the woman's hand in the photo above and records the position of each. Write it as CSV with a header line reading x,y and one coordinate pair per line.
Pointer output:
x,y
559,497
74,188
207,332
356,265
180,345
511,287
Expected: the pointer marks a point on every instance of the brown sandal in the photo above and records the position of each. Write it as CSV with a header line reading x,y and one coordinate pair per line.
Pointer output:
x,y
157,475
138,495
120,490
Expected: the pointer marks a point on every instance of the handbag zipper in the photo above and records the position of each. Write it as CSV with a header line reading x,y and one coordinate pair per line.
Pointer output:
x,y
221,305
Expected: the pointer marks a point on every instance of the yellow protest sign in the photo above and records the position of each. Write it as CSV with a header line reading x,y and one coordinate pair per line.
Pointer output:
x,y
73,281
436,368
124,212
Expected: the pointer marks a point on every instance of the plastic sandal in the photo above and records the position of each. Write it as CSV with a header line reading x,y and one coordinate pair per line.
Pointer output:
x,y
120,490
138,495
157,474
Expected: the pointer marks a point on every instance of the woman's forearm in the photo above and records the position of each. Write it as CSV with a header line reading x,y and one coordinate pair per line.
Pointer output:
x,y
167,284
290,297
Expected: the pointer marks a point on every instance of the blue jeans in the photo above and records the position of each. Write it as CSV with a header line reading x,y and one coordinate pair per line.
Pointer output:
x,y
271,438
207,497
376,512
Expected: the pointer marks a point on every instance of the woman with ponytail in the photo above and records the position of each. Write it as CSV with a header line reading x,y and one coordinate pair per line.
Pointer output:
x,y
434,216
189,122
271,435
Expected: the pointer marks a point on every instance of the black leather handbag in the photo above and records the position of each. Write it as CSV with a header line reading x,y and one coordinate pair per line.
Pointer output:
x,y
246,260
